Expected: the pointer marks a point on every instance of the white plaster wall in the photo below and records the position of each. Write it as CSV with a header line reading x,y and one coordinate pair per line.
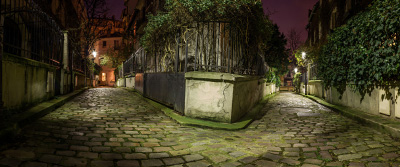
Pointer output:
x,y
209,100
130,82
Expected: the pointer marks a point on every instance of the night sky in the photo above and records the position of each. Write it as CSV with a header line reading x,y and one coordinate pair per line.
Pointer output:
x,y
286,13
290,14
116,7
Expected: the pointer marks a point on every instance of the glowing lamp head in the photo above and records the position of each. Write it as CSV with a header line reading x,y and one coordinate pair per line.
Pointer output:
x,y
94,53
303,55
295,70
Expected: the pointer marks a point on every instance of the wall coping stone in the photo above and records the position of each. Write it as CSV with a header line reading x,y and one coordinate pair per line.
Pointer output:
x,y
26,61
216,76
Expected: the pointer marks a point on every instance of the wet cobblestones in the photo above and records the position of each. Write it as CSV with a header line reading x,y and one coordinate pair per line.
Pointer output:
x,y
114,127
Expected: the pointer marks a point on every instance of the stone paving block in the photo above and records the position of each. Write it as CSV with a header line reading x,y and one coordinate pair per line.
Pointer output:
x,y
198,164
128,163
152,162
265,163
334,164
231,164
173,161
101,149
70,161
193,157
179,152
290,161
101,163
349,157
309,165
19,154
158,155
51,159
356,164
272,157
110,156
135,156
89,155
162,149
248,159
143,149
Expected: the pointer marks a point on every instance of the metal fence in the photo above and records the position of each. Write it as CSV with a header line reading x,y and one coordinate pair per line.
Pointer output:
x,y
30,33
314,72
207,46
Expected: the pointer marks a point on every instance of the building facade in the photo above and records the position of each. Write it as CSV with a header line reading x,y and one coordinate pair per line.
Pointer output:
x,y
108,45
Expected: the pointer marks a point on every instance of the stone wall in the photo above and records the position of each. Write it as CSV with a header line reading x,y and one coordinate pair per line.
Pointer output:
x,y
26,82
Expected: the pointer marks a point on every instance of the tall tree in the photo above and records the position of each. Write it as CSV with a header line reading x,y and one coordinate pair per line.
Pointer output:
x,y
294,41
95,26
276,55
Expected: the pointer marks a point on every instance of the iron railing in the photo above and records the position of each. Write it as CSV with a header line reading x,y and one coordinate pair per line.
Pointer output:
x,y
207,46
314,72
30,33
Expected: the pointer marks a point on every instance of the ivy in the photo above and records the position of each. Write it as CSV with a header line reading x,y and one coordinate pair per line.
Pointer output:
x,y
180,15
364,52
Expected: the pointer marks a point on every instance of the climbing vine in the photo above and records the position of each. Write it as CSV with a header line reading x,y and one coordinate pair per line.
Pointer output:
x,y
364,52
180,16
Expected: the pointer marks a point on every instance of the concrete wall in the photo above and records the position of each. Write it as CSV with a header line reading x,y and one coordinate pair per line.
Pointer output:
x,y
79,80
222,97
121,82
26,82
130,82
371,103
315,87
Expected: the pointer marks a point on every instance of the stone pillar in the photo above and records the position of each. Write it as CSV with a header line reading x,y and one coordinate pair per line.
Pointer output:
x,y
64,65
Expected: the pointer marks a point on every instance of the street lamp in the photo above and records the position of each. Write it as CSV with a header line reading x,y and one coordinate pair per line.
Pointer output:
x,y
295,70
303,55
94,53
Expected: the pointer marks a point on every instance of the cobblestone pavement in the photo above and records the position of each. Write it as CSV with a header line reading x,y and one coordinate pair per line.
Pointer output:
x,y
114,127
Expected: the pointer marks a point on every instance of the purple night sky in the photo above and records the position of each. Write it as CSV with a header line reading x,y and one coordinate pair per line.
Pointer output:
x,y
290,14
286,13
116,7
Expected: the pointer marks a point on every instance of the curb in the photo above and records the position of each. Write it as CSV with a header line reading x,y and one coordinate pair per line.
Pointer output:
x,y
385,125
34,113
241,124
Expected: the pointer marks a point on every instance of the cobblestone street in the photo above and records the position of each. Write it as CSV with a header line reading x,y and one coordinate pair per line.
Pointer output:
x,y
114,127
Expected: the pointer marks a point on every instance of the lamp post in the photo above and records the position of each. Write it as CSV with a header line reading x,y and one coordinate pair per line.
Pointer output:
x,y
94,53
303,55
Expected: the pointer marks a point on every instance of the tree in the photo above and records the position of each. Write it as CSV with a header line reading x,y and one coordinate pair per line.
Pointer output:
x,y
276,55
293,40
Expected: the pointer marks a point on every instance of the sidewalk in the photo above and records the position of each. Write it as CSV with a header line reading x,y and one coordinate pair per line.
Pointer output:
x,y
386,125
19,121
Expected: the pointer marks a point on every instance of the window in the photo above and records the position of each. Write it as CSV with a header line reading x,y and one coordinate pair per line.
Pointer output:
x,y
103,76
104,44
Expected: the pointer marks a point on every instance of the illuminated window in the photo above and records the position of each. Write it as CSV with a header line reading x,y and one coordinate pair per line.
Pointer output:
x,y
103,76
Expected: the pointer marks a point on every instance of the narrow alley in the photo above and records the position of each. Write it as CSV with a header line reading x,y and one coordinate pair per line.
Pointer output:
x,y
115,127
